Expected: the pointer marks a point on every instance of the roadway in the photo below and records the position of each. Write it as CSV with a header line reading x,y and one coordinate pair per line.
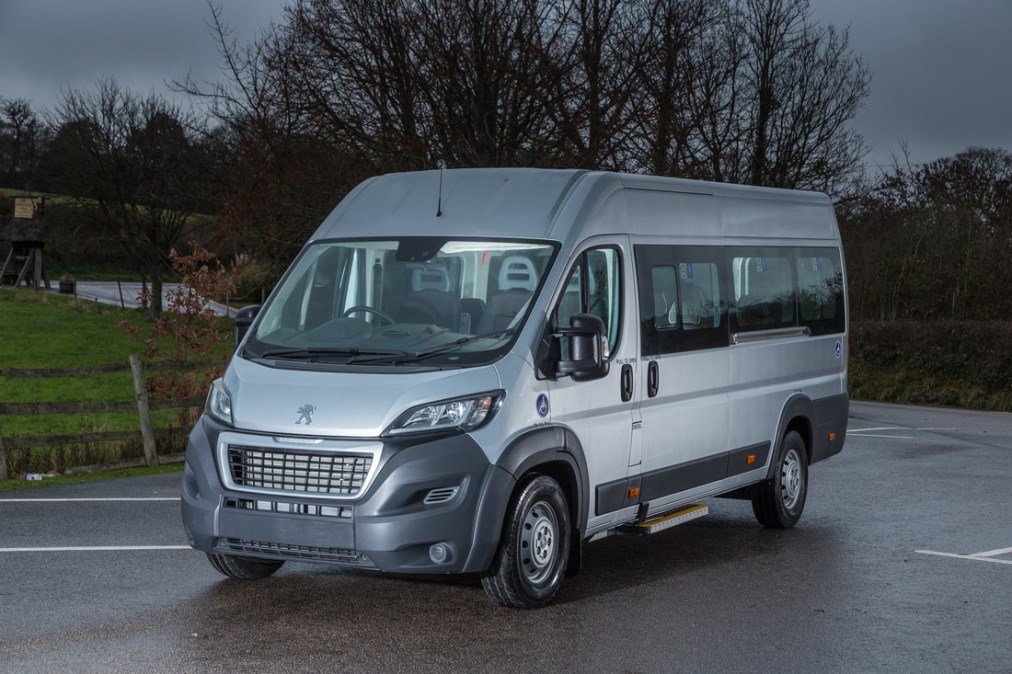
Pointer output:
x,y
902,562
126,294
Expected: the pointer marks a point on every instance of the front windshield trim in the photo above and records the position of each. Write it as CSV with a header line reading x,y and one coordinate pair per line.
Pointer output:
x,y
439,345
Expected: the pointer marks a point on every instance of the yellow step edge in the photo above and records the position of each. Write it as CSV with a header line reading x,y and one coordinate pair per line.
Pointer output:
x,y
669,520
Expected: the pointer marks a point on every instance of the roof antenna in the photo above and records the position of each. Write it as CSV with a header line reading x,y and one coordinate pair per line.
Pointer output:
x,y
439,201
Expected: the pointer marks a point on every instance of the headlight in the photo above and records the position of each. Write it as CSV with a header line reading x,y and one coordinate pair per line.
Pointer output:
x,y
463,414
219,402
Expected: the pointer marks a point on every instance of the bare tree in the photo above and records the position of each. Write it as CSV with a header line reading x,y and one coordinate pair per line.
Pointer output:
x,y
22,140
275,173
729,90
137,176
410,84
932,242
353,65
801,86
484,66
593,110
672,70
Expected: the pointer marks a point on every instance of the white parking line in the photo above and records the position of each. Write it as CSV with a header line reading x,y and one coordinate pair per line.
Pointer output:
x,y
105,548
992,553
878,428
147,498
874,435
988,556
867,432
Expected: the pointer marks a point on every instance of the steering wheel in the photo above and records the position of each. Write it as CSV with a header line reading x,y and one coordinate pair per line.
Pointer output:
x,y
369,310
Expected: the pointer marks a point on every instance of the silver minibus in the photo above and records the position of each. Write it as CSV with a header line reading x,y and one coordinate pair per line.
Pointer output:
x,y
480,371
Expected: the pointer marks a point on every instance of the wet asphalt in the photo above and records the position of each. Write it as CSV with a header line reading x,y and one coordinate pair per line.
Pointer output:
x,y
866,582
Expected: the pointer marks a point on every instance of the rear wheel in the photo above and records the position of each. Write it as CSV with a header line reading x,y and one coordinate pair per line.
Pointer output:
x,y
779,502
530,564
243,568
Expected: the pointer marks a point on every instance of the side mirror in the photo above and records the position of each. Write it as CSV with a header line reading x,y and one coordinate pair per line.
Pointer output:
x,y
587,348
243,319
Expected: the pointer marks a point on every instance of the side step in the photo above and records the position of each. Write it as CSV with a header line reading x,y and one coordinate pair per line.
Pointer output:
x,y
666,521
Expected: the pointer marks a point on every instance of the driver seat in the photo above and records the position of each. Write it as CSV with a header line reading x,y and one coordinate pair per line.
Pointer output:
x,y
430,301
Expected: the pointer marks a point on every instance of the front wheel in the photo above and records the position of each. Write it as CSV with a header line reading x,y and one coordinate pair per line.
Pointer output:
x,y
243,568
778,502
530,564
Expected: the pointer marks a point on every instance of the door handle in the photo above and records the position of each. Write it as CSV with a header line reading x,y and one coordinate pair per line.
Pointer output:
x,y
627,383
653,378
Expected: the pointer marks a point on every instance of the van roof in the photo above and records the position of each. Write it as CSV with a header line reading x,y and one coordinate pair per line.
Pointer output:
x,y
519,203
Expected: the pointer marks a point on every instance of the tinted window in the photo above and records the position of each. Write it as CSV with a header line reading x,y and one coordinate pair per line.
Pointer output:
x,y
763,288
820,290
681,293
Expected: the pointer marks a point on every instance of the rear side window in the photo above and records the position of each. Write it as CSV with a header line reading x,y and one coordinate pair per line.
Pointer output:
x,y
820,290
681,298
763,280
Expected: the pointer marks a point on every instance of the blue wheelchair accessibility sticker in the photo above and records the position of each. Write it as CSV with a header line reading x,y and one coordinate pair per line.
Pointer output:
x,y
543,405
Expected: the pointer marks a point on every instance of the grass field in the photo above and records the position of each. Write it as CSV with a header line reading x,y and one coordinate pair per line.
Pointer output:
x,y
41,330
48,330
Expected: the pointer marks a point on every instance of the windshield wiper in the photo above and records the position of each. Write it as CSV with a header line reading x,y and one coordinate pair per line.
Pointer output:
x,y
315,352
450,346
394,356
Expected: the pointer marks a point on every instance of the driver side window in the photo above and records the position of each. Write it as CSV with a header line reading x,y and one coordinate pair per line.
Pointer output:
x,y
593,286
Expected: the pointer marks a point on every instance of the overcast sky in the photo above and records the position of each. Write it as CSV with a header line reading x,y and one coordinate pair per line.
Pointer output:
x,y
940,68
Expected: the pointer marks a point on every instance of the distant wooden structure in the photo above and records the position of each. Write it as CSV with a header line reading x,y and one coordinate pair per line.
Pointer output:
x,y
27,233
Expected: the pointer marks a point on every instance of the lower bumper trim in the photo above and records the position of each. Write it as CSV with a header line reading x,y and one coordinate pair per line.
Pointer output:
x,y
286,551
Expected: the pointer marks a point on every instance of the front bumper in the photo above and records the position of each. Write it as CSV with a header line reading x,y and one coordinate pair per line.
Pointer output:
x,y
389,527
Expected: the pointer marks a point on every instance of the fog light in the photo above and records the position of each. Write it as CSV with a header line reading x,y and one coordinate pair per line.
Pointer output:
x,y
439,553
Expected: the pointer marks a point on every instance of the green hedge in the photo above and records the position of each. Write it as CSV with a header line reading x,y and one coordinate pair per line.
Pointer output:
x,y
953,363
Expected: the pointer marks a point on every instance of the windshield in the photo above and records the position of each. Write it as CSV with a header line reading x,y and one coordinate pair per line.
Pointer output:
x,y
401,301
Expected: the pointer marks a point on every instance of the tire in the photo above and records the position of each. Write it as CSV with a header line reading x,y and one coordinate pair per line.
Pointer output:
x,y
779,501
243,568
529,565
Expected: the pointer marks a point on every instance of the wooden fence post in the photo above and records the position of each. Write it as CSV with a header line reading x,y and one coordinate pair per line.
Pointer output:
x,y
147,431
3,457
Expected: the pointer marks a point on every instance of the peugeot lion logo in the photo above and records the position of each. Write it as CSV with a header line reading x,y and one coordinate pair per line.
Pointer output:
x,y
306,414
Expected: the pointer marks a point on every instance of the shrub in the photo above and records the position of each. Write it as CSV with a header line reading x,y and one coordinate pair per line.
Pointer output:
x,y
958,363
189,330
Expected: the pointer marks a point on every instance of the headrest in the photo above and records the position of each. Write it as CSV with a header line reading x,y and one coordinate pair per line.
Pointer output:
x,y
430,278
517,272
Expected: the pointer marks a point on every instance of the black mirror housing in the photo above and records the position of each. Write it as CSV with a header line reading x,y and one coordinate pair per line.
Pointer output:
x,y
243,320
588,360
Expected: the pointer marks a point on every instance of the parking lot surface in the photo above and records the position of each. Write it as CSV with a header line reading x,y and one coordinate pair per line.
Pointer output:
x,y
901,562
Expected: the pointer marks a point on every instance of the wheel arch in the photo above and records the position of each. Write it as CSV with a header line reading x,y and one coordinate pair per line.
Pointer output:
x,y
795,416
554,451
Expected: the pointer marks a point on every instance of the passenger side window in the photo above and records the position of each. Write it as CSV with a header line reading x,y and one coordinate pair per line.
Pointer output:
x,y
764,296
681,307
593,286
820,290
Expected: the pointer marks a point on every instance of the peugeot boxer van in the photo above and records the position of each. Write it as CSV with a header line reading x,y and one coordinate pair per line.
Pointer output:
x,y
479,371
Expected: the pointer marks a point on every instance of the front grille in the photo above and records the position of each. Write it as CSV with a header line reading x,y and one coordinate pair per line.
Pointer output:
x,y
292,471
303,552
264,505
